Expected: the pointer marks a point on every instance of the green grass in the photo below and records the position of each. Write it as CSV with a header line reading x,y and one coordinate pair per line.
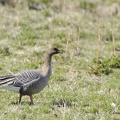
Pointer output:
x,y
75,91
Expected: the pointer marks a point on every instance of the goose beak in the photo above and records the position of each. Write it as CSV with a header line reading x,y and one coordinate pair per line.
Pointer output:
x,y
58,51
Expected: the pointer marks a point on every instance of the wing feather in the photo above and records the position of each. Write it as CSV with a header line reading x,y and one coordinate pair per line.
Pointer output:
x,y
26,77
20,78
5,80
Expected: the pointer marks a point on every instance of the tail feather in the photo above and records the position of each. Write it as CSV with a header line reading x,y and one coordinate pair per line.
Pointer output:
x,y
6,80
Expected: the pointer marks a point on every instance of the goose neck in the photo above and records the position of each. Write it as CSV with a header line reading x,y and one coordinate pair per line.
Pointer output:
x,y
47,70
48,60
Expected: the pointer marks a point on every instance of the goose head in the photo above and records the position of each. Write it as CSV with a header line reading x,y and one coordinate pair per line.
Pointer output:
x,y
53,51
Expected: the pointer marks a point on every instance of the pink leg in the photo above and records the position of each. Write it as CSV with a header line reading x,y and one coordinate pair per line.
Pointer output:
x,y
20,97
31,100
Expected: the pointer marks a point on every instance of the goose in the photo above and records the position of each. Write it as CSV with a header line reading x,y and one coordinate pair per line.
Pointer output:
x,y
29,82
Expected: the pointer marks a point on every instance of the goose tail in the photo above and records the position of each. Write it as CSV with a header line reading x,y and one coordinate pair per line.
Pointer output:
x,y
6,80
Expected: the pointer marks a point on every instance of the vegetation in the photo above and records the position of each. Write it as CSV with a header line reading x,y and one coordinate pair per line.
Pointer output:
x,y
85,82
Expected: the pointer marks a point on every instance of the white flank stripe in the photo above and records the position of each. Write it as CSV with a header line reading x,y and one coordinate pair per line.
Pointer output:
x,y
11,88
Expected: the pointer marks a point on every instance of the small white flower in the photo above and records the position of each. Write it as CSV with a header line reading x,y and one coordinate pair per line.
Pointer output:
x,y
113,105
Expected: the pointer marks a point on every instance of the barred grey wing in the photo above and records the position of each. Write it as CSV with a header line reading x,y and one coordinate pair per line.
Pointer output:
x,y
25,77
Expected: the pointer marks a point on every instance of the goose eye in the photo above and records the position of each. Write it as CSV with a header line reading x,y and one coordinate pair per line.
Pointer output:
x,y
55,49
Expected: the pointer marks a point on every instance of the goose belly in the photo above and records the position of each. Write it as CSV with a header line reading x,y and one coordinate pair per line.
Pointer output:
x,y
39,87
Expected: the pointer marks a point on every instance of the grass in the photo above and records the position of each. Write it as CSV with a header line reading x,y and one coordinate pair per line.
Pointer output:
x,y
75,91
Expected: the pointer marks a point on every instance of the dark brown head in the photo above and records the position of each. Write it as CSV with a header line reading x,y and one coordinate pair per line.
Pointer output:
x,y
53,51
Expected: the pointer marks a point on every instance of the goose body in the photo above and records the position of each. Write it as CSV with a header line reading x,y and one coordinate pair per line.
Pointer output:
x,y
25,79
29,82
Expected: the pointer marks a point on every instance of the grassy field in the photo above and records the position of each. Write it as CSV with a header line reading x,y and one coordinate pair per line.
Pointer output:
x,y
85,84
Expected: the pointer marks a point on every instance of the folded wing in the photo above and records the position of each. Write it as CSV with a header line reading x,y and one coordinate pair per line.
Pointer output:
x,y
14,82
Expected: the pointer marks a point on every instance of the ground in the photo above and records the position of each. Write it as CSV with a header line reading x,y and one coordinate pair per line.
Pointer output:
x,y
85,81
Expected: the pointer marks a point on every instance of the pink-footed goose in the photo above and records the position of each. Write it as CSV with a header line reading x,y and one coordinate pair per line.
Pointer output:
x,y
30,82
